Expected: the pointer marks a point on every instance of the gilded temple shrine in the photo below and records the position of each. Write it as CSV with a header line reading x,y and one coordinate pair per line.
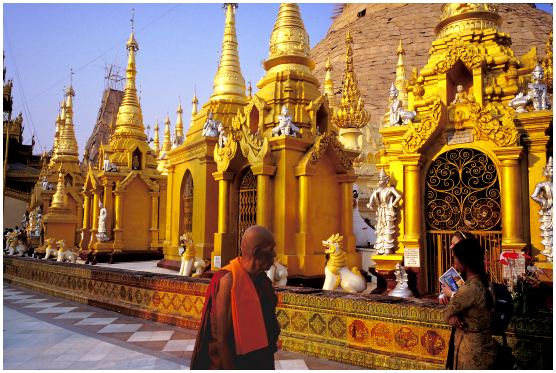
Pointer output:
x,y
125,193
468,161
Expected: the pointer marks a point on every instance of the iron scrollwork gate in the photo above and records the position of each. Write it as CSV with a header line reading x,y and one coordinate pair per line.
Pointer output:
x,y
247,205
187,204
462,193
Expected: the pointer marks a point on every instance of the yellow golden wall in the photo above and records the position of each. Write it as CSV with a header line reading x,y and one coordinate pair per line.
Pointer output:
x,y
136,216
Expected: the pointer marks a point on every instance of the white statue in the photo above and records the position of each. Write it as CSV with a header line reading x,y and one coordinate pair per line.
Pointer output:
x,y
108,166
278,274
38,221
222,137
45,184
14,244
51,249
188,259
336,271
538,90
101,235
397,114
402,289
385,200
210,128
461,96
543,195
285,124
24,221
364,234
519,102
65,254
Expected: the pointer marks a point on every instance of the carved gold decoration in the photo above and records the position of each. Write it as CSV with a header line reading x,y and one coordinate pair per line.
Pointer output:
x,y
460,17
418,133
458,50
495,122
547,63
351,112
288,35
322,143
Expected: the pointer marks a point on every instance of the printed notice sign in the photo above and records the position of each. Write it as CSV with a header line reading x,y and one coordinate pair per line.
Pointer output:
x,y
411,257
217,261
460,137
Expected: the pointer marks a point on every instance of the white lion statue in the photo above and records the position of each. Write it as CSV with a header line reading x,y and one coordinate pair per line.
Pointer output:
x,y
278,274
15,245
65,254
51,249
188,259
336,271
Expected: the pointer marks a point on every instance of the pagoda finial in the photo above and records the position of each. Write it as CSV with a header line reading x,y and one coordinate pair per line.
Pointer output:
x,y
329,84
228,81
289,41
194,103
129,122
401,81
167,143
156,142
178,132
351,112
59,199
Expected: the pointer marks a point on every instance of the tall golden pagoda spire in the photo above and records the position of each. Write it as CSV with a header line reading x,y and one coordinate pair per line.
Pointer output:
x,y
351,112
194,104
60,198
129,122
228,82
67,144
167,143
289,42
178,133
329,84
58,129
401,81
156,142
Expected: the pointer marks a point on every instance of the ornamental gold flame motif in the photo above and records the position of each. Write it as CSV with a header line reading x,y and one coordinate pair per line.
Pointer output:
x,y
351,112
462,192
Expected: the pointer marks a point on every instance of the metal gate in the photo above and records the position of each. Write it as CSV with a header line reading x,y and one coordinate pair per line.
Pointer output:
x,y
187,212
247,205
462,193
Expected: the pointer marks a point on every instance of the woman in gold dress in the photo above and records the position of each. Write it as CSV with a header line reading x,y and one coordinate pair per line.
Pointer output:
x,y
470,309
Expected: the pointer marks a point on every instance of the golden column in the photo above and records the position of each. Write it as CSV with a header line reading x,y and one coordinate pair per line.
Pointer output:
x,y
510,188
304,236
85,234
170,193
264,211
223,238
412,201
154,218
96,210
118,230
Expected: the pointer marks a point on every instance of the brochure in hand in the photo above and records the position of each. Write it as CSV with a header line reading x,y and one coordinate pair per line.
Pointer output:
x,y
452,279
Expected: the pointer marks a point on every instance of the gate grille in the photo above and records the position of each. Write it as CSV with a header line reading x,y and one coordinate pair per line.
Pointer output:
x,y
247,205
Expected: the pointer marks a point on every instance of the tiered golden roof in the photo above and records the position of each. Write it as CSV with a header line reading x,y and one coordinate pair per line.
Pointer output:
x,y
228,82
351,112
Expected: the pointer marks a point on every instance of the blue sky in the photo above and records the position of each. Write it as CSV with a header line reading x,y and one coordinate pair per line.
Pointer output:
x,y
179,50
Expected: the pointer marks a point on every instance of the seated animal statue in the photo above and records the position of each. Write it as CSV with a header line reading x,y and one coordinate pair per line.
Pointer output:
x,y
188,259
520,102
336,271
51,249
278,274
65,254
16,245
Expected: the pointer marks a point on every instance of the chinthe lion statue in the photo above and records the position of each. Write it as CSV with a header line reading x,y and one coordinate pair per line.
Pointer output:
x,y
65,254
188,259
337,272
15,245
51,249
278,274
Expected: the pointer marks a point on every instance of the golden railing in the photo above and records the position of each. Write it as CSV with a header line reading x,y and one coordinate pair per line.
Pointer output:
x,y
439,257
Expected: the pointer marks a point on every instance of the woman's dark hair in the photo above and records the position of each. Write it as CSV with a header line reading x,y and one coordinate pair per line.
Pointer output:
x,y
470,254
463,235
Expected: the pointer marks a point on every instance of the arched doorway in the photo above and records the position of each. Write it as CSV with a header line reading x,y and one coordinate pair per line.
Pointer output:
x,y
186,217
247,204
462,193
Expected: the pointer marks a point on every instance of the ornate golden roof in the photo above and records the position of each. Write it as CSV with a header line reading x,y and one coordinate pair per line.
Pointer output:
x,y
289,42
329,84
459,17
60,198
351,112
156,143
228,82
167,142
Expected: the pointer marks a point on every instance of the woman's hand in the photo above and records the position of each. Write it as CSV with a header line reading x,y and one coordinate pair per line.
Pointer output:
x,y
455,322
447,291
442,299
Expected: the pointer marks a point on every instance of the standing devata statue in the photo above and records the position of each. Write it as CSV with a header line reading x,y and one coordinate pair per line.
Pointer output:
x,y
543,196
385,200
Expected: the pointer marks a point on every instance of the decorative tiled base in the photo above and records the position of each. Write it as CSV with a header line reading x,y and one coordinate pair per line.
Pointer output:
x,y
372,331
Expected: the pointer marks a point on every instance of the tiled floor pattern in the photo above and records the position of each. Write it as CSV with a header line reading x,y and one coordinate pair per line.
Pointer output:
x,y
67,335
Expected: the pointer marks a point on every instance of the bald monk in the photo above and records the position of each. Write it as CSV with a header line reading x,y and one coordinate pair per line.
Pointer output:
x,y
239,329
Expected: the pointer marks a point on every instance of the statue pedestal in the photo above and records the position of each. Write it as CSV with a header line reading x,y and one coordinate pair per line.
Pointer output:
x,y
385,266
